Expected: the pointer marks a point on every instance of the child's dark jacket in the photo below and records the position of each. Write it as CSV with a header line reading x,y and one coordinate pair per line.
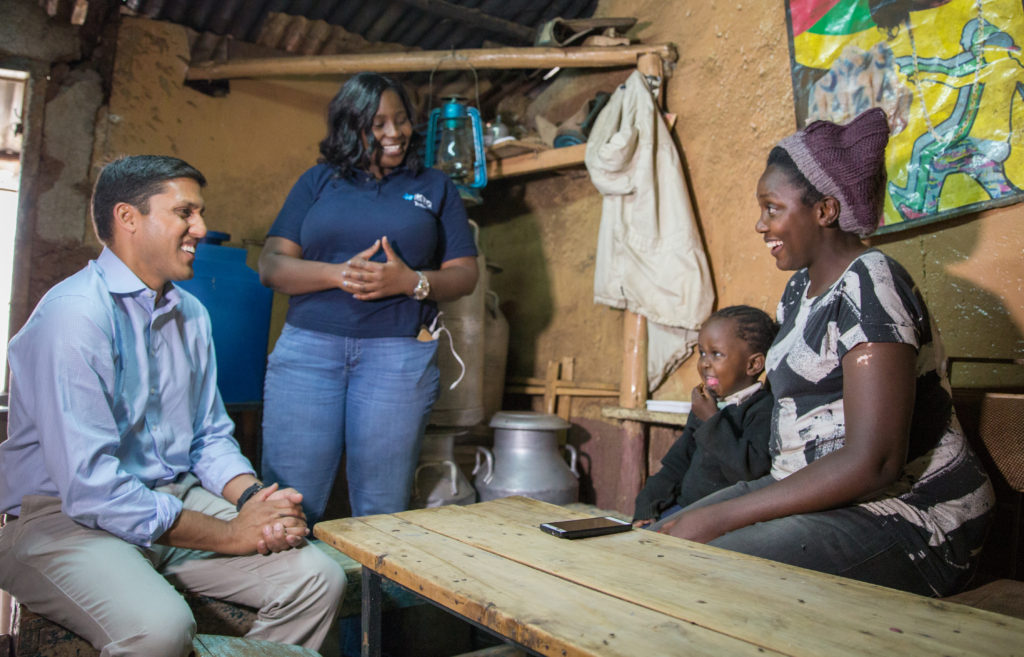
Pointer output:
x,y
731,446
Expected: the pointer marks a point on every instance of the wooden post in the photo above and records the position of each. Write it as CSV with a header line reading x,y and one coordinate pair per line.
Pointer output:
x,y
558,395
567,374
650,64
633,393
550,387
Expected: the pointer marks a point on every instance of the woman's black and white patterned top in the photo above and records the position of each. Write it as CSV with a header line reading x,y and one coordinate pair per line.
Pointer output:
x,y
943,491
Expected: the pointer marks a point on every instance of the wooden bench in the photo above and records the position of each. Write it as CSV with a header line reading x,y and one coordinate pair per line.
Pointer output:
x,y
994,424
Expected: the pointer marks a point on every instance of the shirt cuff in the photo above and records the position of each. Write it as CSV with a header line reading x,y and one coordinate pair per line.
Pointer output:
x,y
225,472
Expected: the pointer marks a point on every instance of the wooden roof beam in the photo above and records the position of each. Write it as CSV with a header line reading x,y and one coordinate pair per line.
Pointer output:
x,y
431,60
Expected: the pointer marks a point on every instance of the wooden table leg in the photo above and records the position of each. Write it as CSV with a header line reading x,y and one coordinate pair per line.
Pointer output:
x,y
373,595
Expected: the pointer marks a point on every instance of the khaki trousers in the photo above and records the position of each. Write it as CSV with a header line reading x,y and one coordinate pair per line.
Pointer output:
x,y
123,598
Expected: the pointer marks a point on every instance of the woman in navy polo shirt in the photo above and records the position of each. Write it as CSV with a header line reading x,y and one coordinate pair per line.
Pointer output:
x,y
367,243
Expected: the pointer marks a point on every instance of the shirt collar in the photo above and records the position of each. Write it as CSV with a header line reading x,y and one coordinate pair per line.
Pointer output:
x,y
121,279
740,396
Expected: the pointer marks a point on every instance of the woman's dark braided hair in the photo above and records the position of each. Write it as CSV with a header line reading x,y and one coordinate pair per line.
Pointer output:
x,y
753,325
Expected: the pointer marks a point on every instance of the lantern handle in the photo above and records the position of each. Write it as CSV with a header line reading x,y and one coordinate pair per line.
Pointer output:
x,y
453,55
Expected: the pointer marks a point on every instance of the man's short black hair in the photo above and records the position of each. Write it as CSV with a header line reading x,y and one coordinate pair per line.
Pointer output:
x,y
133,179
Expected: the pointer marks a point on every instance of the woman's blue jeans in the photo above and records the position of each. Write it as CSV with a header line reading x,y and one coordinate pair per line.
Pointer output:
x,y
366,398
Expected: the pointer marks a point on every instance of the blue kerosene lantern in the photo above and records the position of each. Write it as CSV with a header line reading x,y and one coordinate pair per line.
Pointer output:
x,y
455,143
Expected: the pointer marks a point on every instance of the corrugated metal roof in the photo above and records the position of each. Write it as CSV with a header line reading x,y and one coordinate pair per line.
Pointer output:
x,y
403,22
312,27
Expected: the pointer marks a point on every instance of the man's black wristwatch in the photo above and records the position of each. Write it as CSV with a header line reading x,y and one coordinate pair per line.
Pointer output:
x,y
246,494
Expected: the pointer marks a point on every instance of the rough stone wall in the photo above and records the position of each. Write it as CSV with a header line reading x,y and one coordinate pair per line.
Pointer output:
x,y
54,223
28,32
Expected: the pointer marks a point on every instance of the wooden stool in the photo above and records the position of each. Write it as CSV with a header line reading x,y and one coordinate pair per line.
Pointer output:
x,y
39,637
36,636
212,645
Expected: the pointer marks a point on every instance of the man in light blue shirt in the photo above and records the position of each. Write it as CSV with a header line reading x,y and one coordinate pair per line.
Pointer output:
x,y
120,476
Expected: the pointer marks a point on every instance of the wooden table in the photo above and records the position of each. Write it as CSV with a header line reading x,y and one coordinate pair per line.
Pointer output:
x,y
642,593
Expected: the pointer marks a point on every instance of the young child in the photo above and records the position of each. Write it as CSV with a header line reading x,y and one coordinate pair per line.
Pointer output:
x,y
725,439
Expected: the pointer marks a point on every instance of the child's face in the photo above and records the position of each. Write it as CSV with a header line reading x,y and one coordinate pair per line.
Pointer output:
x,y
726,364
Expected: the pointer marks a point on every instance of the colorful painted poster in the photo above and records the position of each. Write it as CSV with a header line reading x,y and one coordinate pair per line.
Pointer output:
x,y
950,76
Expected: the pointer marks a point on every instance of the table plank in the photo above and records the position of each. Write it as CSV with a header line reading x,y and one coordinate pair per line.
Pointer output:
x,y
544,613
779,607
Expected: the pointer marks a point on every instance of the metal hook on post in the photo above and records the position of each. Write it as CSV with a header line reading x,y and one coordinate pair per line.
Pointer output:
x,y
651,67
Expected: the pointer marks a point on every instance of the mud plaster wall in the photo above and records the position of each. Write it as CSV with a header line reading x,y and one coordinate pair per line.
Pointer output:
x,y
251,143
732,93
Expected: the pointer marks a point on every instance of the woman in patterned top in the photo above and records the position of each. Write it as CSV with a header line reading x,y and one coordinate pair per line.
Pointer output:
x,y
871,475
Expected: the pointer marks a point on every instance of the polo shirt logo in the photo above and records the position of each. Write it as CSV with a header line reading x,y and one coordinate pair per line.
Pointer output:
x,y
419,200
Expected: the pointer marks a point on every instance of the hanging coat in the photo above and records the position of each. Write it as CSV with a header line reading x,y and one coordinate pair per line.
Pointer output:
x,y
649,255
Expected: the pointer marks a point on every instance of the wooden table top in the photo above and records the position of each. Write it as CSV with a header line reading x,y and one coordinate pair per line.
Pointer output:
x,y
643,593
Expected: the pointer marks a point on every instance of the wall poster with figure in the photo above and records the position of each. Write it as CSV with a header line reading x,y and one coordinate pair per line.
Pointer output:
x,y
950,76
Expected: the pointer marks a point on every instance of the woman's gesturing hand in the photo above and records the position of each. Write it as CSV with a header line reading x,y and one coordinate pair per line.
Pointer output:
x,y
367,280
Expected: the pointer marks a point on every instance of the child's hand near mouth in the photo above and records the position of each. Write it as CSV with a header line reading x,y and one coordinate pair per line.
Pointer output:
x,y
704,402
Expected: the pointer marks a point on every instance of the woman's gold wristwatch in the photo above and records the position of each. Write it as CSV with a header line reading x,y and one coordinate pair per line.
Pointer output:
x,y
422,289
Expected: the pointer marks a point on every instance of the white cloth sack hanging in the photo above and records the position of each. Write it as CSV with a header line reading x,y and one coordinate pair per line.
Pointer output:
x,y
649,256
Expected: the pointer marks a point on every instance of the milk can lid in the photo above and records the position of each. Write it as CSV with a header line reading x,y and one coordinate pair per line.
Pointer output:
x,y
528,420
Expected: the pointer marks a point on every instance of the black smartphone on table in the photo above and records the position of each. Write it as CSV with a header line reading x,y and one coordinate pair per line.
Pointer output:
x,y
586,527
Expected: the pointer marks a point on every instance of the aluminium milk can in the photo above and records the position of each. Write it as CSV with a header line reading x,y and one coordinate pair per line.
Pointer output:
x,y
460,355
526,460
438,481
495,353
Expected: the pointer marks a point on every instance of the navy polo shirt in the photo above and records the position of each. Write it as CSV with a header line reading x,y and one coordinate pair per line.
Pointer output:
x,y
333,219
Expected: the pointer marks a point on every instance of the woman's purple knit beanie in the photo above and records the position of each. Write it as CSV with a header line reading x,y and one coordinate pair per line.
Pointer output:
x,y
847,162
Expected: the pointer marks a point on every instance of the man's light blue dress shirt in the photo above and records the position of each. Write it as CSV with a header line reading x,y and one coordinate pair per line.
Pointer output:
x,y
112,396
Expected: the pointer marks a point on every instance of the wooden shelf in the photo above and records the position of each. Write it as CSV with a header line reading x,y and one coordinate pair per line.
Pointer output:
x,y
643,415
549,160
